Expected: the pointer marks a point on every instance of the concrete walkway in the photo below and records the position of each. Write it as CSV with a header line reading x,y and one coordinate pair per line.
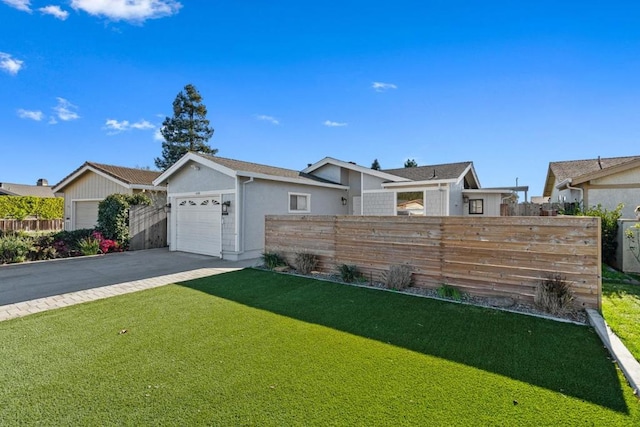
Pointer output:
x,y
34,272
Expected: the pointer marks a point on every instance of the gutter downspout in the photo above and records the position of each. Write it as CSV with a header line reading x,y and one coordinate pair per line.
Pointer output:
x,y
244,214
569,187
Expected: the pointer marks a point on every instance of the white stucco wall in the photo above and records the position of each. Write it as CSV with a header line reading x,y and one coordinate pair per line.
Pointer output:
x,y
371,182
631,176
435,202
491,203
455,198
610,198
625,259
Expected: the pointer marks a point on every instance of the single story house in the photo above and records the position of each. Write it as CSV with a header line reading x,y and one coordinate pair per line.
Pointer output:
x,y
602,181
41,189
89,184
218,205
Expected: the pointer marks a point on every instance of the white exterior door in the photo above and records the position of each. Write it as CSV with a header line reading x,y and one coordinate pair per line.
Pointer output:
x,y
199,225
85,214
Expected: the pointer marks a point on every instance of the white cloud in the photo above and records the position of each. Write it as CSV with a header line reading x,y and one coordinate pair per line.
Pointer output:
x,y
128,10
331,124
23,5
114,126
269,119
65,110
55,11
9,64
30,114
142,125
157,135
381,87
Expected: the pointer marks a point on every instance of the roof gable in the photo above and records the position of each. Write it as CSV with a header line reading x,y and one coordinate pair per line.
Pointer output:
x,y
352,166
234,168
127,177
445,171
579,171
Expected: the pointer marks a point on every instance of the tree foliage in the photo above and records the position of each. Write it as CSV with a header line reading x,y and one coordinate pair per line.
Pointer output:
x,y
410,163
375,165
21,207
113,215
609,228
188,129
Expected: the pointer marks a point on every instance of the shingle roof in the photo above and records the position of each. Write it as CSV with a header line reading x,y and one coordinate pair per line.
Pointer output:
x,y
431,172
250,167
25,190
131,176
576,168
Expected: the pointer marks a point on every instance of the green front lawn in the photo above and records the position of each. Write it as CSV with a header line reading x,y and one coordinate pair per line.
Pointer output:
x,y
258,348
621,310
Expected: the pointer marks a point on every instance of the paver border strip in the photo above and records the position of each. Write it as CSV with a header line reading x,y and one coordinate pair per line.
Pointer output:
x,y
25,308
629,366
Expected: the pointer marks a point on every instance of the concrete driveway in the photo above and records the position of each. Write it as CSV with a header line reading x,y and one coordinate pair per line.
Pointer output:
x,y
30,281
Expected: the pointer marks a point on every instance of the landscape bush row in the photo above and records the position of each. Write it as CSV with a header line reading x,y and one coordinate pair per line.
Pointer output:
x,y
553,293
21,207
110,235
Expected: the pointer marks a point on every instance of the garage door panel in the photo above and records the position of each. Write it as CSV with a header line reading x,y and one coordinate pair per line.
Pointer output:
x,y
85,214
199,225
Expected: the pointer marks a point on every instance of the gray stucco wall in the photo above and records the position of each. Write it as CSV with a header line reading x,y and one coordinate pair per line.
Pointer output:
x,y
189,180
329,172
272,198
372,182
625,259
435,201
610,198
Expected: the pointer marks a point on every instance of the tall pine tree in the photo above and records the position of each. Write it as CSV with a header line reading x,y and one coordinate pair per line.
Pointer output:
x,y
375,165
410,163
188,129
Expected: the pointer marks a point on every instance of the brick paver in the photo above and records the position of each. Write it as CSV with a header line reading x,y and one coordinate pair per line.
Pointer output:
x,y
12,311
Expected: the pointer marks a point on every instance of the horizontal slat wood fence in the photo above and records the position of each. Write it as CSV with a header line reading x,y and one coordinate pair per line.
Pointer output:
x,y
31,225
489,256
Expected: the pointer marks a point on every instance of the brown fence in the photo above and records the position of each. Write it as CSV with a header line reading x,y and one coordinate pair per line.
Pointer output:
x,y
499,256
147,227
31,225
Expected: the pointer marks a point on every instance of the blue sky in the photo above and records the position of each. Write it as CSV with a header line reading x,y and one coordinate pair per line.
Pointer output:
x,y
508,85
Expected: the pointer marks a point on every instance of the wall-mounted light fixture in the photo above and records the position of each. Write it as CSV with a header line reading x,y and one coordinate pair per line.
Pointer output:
x,y
167,208
344,201
225,207
465,199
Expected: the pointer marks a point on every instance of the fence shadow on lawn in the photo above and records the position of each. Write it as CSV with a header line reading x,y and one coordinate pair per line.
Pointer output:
x,y
565,358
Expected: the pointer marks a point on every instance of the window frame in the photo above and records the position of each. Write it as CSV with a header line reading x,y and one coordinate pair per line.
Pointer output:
x,y
305,195
472,205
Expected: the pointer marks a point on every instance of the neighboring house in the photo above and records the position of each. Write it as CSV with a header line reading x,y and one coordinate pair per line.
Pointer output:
x,y
601,181
85,187
218,205
41,189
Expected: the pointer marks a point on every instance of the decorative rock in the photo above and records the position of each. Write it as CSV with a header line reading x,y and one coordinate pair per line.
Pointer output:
x,y
282,269
502,302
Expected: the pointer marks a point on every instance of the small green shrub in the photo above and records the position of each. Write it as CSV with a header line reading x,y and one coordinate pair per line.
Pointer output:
x,y
66,242
554,295
43,248
306,262
89,246
349,273
272,260
449,292
398,277
14,249
113,216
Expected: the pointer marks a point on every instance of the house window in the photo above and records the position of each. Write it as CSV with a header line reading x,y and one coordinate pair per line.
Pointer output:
x,y
299,203
476,207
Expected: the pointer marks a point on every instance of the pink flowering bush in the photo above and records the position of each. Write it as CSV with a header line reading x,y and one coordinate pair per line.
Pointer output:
x,y
106,245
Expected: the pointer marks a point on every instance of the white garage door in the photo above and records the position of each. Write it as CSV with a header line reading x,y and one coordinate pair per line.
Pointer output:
x,y
86,215
199,225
